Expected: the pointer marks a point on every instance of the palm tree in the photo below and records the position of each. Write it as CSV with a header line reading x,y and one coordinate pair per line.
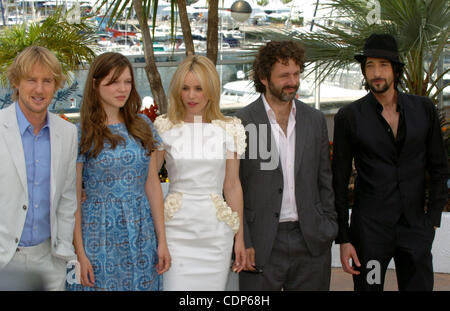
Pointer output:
x,y
151,70
3,13
69,42
212,35
186,27
421,28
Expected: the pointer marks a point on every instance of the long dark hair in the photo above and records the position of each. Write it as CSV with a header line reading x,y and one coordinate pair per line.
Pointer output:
x,y
396,68
94,130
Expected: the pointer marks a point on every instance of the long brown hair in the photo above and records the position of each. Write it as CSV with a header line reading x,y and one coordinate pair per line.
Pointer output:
x,y
94,130
397,69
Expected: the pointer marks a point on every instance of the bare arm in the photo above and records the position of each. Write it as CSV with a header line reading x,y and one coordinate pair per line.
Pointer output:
x,y
233,195
87,273
155,197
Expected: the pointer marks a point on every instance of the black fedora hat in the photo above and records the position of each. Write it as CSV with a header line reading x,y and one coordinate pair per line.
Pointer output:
x,y
380,46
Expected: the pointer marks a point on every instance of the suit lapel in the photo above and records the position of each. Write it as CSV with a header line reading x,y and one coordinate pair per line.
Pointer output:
x,y
260,117
14,144
55,153
301,132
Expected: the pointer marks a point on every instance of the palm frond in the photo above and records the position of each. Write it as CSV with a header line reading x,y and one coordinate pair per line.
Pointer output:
x,y
421,28
69,42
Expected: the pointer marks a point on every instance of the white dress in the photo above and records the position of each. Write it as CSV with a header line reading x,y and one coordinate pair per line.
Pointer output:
x,y
200,226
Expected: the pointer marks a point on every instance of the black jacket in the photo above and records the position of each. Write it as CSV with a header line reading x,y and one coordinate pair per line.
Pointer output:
x,y
391,173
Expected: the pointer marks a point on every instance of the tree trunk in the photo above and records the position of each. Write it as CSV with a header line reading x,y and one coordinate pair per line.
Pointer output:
x,y
212,36
3,12
186,27
151,70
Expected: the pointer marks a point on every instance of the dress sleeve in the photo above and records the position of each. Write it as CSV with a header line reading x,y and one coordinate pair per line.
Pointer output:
x,y
81,158
235,141
156,137
161,125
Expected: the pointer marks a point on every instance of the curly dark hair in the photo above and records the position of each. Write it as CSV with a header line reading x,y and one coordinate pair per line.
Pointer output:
x,y
271,53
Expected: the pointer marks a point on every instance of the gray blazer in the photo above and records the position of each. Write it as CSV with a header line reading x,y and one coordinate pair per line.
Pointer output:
x,y
263,188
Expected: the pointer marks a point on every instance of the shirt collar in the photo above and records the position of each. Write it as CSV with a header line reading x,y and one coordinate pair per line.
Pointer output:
x,y
270,111
22,121
379,107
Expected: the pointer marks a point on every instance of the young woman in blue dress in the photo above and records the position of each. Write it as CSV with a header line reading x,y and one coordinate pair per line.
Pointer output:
x,y
119,234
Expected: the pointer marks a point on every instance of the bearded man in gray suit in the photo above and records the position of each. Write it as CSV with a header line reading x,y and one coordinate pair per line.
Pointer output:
x,y
289,215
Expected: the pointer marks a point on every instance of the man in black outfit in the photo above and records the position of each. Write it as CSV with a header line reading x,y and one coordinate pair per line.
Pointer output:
x,y
401,164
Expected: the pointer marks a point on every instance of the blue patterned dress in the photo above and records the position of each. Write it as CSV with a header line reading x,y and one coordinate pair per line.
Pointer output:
x,y
117,226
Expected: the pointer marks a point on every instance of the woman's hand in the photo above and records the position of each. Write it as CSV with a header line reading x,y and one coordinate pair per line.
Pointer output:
x,y
240,255
86,273
164,260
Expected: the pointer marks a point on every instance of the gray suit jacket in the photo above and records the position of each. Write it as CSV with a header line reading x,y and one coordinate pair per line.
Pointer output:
x,y
263,188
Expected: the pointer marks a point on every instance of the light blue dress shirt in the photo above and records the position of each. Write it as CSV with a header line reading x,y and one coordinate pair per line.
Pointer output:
x,y
37,159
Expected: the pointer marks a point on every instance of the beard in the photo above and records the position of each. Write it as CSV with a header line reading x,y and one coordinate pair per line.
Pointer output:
x,y
381,88
280,92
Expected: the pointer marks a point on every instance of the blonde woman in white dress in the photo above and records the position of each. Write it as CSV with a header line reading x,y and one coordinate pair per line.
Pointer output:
x,y
204,206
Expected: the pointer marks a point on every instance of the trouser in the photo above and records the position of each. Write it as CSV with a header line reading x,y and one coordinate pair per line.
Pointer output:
x,y
39,259
410,247
290,266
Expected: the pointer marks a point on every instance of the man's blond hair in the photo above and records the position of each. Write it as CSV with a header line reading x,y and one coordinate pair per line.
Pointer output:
x,y
24,61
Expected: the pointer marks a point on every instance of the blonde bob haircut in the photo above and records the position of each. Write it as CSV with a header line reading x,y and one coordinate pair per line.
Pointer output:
x,y
24,62
208,78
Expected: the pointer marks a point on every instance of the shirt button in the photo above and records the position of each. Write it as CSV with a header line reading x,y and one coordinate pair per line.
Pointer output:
x,y
17,240
280,190
24,207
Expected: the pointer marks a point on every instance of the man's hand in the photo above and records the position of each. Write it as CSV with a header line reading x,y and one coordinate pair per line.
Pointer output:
x,y
347,252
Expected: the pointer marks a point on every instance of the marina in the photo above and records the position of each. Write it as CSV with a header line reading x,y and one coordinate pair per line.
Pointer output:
x,y
238,42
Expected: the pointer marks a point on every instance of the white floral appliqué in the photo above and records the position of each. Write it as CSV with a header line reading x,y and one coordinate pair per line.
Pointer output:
x,y
172,204
233,126
224,212
162,124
